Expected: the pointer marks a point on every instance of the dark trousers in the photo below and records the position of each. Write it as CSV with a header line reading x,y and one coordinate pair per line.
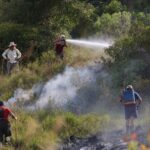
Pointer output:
x,y
59,54
5,130
11,67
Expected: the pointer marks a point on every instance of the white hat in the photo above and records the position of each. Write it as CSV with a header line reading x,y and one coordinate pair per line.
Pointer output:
x,y
12,44
62,36
129,87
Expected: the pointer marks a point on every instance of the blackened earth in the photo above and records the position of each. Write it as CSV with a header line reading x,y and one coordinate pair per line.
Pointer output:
x,y
114,140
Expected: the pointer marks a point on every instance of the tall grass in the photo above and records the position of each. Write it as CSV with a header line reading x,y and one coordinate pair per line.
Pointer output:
x,y
34,72
44,129
31,132
44,68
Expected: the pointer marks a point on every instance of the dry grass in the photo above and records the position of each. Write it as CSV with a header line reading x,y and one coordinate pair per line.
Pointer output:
x,y
81,57
35,133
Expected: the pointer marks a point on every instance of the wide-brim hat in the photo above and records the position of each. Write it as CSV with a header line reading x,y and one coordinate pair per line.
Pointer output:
x,y
12,44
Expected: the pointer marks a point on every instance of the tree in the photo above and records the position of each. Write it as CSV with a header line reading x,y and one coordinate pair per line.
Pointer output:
x,y
48,18
116,25
114,6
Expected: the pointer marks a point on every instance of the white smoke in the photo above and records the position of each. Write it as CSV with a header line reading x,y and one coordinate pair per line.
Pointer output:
x,y
67,87
63,87
22,96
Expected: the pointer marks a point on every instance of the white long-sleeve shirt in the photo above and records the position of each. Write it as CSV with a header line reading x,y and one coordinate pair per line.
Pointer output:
x,y
12,55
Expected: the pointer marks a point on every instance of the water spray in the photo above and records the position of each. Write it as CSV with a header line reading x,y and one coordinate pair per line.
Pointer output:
x,y
89,44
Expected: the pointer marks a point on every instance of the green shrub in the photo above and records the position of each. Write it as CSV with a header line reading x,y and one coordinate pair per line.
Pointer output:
x,y
18,33
115,25
83,125
114,6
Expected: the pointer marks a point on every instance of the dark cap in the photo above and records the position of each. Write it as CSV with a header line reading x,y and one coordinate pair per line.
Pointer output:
x,y
1,103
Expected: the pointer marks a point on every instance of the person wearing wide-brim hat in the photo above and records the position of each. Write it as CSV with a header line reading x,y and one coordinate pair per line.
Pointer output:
x,y
12,55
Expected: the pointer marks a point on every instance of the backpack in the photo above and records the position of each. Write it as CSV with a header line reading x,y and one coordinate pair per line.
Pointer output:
x,y
1,113
128,96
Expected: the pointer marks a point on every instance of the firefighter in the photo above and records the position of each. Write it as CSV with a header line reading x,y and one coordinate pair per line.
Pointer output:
x,y
131,100
5,130
60,43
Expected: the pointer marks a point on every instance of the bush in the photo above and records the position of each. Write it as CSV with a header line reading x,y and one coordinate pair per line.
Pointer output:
x,y
116,25
18,33
82,125
114,6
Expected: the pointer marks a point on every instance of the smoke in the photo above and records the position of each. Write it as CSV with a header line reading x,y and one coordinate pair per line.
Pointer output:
x,y
22,97
63,87
76,89
67,88
73,88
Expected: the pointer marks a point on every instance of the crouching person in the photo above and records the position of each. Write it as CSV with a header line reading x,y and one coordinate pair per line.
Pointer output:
x,y
5,130
131,100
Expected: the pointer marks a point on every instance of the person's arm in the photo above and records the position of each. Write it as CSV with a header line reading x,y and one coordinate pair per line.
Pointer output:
x,y
18,53
10,113
66,44
55,43
13,115
121,97
138,98
4,54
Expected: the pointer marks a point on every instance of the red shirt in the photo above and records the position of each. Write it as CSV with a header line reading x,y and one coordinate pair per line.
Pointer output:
x,y
59,46
7,112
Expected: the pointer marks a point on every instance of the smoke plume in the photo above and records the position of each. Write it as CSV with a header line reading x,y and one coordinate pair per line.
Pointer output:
x,y
72,89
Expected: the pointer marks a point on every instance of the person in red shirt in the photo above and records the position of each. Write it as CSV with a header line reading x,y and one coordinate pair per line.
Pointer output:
x,y
5,130
60,43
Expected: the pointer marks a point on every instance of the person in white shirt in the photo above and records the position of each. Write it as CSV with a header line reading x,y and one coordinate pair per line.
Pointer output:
x,y
12,55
